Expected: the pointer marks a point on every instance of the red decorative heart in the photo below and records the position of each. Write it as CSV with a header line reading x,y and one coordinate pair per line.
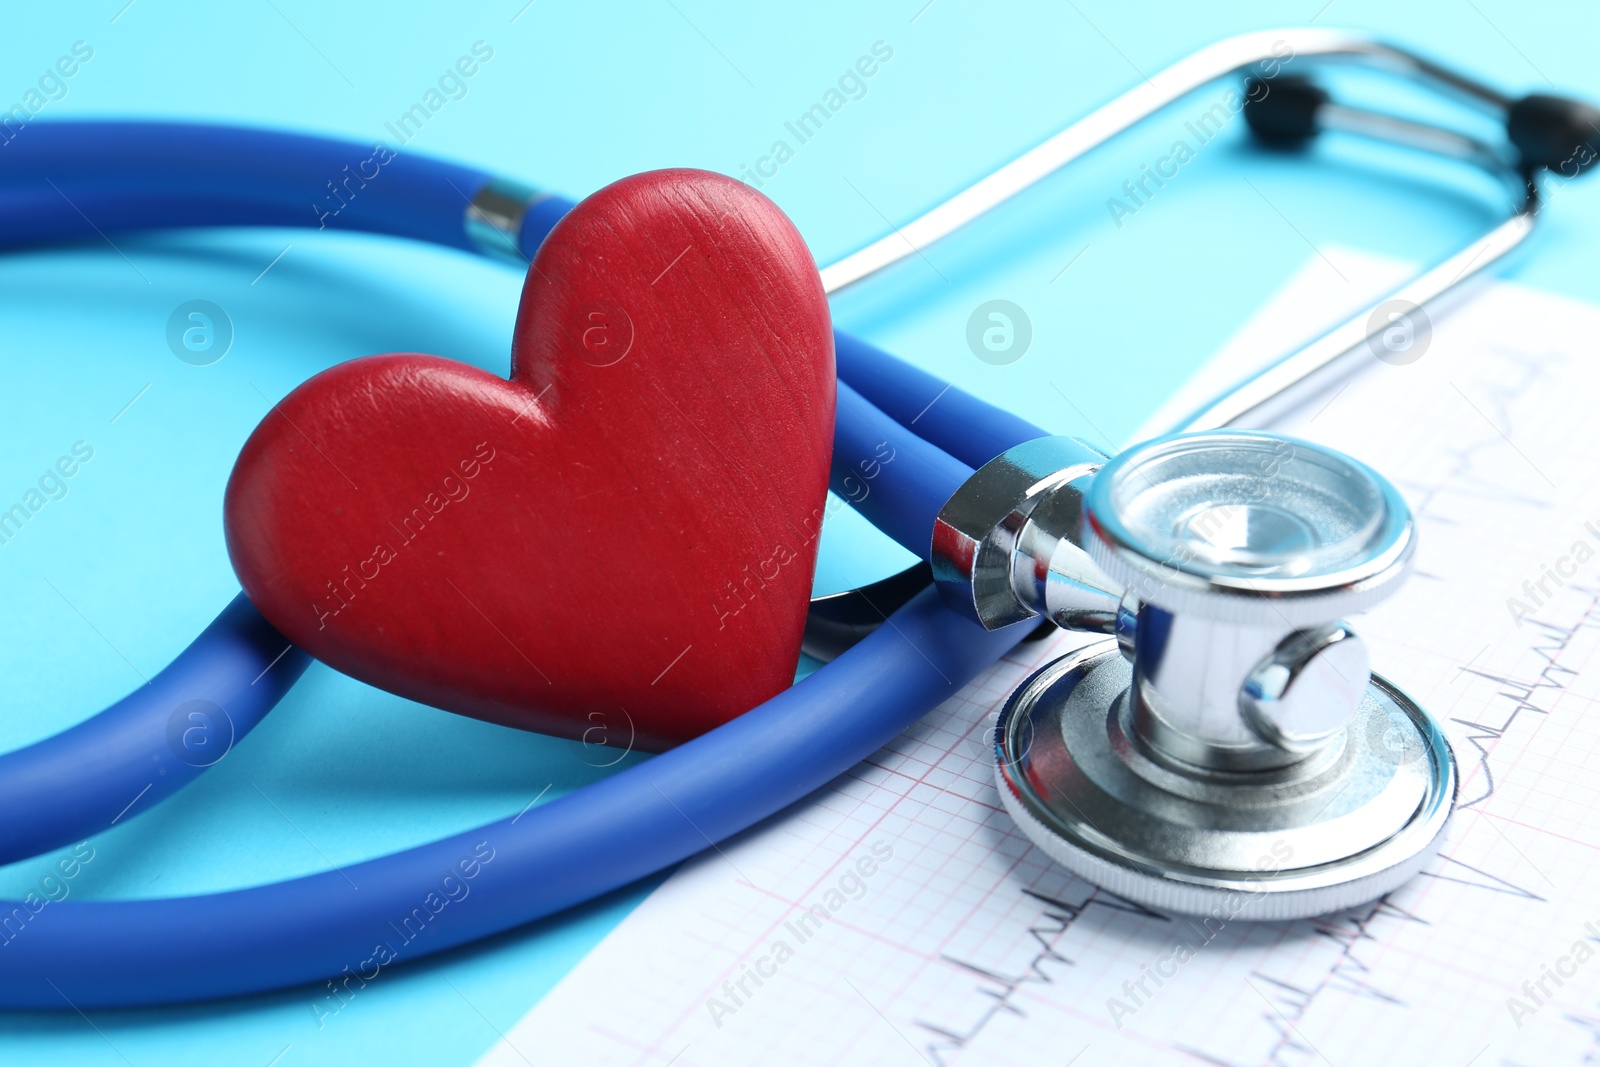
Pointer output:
x,y
619,539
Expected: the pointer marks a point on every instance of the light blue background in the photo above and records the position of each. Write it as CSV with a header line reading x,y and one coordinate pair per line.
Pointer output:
x,y
575,96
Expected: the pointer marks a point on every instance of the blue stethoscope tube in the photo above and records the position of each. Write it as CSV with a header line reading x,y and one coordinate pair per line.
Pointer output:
x,y
116,953
153,176
149,744
972,430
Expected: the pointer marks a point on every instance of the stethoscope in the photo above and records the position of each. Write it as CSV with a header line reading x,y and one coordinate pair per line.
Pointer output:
x,y
1222,749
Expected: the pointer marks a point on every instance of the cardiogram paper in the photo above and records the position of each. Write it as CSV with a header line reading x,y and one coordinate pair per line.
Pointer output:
x,y
949,940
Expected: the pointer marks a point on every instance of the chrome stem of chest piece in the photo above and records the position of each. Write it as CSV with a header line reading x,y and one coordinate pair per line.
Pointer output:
x,y
1229,753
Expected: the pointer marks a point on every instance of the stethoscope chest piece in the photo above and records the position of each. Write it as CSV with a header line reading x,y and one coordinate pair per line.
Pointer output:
x,y
1342,826
1229,753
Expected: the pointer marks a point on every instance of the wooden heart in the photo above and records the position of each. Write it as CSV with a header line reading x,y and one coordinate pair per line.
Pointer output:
x,y
616,544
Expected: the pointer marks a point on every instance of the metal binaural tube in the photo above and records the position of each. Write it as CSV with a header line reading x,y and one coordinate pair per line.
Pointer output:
x,y
1226,57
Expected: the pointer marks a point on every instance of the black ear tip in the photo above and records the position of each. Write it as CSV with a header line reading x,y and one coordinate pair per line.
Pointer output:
x,y
1282,112
1556,132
